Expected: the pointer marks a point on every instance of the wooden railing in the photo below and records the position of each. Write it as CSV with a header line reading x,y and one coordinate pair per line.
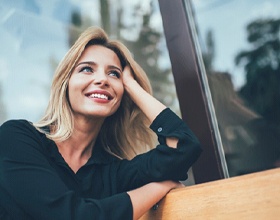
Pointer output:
x,y
253,196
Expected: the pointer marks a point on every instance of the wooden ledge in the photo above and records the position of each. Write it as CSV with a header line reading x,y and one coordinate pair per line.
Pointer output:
x,y
253,196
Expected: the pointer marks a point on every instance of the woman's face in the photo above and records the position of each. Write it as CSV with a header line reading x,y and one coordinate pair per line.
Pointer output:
x,y
95,86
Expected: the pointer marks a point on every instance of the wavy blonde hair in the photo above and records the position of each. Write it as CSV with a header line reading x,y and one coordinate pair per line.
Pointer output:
x,y
125,133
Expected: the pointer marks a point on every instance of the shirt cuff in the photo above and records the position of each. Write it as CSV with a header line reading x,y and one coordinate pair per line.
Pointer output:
x,y
166,123
118,206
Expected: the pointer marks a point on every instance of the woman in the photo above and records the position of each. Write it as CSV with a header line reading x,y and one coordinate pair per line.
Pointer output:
x,y
78,161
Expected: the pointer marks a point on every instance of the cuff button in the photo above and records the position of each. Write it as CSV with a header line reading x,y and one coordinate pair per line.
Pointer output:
x,y
159,129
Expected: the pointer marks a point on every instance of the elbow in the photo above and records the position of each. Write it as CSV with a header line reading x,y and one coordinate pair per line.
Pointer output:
x,y
188,156
193,152
176,168
196,148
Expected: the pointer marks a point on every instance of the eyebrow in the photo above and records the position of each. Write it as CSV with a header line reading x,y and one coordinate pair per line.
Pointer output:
x,y
91,63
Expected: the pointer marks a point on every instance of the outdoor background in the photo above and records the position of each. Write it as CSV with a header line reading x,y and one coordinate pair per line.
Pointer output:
x,y
239,41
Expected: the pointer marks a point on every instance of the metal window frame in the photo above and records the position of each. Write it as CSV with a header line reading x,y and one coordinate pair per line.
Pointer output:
x,y
192,88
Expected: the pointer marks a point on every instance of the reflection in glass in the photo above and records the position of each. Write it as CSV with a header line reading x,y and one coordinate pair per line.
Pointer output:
x,y
36,34
240,43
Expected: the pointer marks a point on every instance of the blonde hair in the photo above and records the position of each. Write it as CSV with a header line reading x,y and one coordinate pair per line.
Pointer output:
x,y
125,133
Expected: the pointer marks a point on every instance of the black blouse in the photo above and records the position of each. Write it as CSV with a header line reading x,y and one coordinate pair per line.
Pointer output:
x,y
36,182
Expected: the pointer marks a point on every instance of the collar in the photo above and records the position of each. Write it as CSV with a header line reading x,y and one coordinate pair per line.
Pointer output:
x,y
99,155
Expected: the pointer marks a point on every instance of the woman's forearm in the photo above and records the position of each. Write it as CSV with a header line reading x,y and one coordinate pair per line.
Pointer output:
x,y
146,102
149,105
148,195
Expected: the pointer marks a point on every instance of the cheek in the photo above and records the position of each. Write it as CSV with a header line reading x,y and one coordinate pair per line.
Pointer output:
x,y
71,90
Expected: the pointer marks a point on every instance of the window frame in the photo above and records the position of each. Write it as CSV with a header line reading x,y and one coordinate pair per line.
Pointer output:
x,y
192,88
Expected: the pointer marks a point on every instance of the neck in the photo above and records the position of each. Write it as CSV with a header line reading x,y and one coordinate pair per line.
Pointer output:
x,y
77,149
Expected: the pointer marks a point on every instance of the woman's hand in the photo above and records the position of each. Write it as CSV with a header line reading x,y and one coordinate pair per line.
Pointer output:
x,y
127,76
148,195
150,106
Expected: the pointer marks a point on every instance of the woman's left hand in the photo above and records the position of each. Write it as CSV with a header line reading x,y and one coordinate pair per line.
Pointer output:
x,y
127,76
150,106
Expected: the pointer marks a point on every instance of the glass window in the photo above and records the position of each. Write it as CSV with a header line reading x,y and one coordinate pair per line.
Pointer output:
x,y
240,45
36,34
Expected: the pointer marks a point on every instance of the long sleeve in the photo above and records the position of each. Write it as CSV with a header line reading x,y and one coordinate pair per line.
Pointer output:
x,y
30,185
163,162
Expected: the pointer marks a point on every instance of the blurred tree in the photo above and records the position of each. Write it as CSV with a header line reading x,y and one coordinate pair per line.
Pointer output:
x,y
147,53
262,66
77,26
209,54
74,27
105,15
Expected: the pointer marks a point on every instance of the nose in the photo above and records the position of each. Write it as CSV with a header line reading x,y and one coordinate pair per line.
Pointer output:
x,y
100,78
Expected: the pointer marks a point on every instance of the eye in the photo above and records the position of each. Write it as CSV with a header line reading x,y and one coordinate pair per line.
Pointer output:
x,y
114,73
86,69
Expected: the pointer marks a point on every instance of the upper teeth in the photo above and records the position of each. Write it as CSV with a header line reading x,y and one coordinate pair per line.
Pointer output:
x,y
100,96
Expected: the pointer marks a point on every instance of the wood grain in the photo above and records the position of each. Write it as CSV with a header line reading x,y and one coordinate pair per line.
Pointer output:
x,y
253,196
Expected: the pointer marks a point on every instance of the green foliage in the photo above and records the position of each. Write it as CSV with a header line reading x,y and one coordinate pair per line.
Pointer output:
x,y
262,65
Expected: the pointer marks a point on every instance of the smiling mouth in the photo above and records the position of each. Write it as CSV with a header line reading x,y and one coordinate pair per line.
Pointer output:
x,y
99,96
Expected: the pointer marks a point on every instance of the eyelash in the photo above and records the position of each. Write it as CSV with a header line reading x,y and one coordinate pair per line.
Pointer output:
x,y
86,67
117,74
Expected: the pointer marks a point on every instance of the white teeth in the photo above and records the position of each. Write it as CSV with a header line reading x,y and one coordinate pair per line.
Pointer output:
x,y
99,96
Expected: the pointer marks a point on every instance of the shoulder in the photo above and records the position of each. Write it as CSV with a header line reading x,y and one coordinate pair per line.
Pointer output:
x,y
19,129
17,125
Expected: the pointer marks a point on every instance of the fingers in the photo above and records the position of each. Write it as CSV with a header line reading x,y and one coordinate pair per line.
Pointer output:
x,y
127,75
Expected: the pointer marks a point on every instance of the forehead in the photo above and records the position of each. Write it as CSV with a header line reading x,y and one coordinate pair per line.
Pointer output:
x,y
100,55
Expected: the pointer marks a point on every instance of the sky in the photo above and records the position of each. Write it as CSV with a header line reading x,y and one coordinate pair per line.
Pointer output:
x,y
31,34
228,19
